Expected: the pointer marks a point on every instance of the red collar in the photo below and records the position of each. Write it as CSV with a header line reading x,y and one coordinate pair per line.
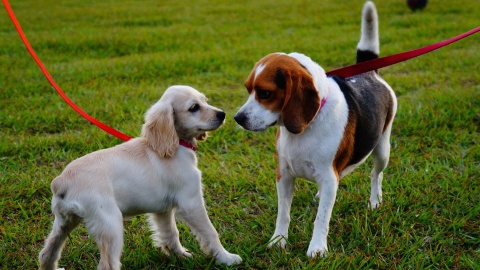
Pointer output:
x,y
187,145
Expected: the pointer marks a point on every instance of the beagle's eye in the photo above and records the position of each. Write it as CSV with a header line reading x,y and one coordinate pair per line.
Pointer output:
x,y
263,94
195,107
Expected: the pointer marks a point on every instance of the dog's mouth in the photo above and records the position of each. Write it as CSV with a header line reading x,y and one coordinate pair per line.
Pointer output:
x,y
207,129
273,124
262,129
211,128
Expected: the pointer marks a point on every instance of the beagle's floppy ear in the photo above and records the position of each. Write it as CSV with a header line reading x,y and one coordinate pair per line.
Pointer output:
x,y
301,100
159,130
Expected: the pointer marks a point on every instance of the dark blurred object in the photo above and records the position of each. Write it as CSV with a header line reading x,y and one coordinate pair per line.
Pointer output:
x,y
416,4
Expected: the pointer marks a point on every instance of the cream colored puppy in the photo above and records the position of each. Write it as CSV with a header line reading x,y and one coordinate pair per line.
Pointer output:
x,y
156,173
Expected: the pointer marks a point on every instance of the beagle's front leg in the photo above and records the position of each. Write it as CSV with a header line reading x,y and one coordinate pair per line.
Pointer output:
x,y
328,185
285,194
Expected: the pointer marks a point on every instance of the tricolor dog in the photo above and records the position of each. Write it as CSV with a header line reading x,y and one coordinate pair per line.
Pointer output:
x,y
327,126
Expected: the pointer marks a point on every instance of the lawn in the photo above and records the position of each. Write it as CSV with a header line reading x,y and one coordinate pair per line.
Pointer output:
x,y
115,59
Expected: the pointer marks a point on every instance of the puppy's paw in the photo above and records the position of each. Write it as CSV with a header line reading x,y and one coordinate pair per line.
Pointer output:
x,y
278,241
177,250
317,250
183,253
228,258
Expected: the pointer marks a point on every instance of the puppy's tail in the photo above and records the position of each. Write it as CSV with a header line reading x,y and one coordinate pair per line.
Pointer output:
x,y
368,47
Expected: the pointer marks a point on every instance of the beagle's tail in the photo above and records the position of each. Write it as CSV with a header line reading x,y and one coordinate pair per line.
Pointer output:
x,y
368,47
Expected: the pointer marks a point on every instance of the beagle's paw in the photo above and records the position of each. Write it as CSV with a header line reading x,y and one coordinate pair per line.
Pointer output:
x,y
317,250
278,241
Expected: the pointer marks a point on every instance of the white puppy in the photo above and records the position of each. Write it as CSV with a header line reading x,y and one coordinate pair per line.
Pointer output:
x,y
149,174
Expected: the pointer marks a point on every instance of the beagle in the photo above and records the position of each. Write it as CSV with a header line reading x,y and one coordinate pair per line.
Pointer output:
x,y
156,173
327,126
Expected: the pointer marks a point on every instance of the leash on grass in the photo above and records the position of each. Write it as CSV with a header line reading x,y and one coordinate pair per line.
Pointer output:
x,y
344,72
94,121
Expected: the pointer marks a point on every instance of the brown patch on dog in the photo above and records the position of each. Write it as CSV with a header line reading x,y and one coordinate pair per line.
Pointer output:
x,y
301,103
265,81
346,147
291,87
389,113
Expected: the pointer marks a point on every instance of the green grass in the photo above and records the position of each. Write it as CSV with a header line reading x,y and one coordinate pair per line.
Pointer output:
x,y
115,59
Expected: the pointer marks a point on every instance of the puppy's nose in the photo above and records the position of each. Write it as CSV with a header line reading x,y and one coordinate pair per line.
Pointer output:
x,y
221,116
240,118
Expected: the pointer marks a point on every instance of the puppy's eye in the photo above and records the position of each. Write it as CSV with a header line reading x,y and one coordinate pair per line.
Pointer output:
x,y
263,94
195,107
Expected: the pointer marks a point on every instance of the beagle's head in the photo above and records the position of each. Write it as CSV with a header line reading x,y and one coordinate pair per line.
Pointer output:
x,y
281,91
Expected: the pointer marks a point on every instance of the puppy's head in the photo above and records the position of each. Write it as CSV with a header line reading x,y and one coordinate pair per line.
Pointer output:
x,y
181,113
281,90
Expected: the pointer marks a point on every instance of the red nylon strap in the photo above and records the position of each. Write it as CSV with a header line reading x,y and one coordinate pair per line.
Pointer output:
x,y
99,124
187,145
378,63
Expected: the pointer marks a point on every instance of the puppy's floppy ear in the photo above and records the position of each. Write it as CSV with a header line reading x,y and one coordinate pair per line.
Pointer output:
x,y
301,100
159,130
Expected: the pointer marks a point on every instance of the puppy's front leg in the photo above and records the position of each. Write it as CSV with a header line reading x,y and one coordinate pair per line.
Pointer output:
x,y
165,233
195,215
328,185
285,194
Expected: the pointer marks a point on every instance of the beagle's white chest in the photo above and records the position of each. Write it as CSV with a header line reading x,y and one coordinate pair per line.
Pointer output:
x,y
296,157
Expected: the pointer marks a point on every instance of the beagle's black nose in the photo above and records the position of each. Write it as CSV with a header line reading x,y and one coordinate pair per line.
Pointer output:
x,y
221,116
240,118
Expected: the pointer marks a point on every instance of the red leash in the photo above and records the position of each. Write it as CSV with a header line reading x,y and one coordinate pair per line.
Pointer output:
x,y
342,72
99,124
378,63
